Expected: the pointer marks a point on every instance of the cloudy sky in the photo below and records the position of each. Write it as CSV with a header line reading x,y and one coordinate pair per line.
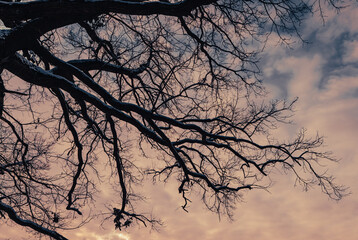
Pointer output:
x,y
324,75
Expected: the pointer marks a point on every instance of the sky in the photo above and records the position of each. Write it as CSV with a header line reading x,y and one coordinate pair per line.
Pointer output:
x,y
323,74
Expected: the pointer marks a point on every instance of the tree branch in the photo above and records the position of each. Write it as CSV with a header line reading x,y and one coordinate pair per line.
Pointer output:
x,y
26,223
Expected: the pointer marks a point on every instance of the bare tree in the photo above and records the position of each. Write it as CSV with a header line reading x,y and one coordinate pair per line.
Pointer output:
x,y
84,83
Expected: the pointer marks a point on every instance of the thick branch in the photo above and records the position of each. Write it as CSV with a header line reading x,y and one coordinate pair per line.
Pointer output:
x,y
26,223
36,9
33,74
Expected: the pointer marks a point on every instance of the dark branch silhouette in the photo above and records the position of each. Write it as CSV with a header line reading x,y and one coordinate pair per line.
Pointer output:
x,y
85,83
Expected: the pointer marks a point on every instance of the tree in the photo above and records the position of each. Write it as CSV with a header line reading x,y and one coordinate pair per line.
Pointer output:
x,y
86,83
